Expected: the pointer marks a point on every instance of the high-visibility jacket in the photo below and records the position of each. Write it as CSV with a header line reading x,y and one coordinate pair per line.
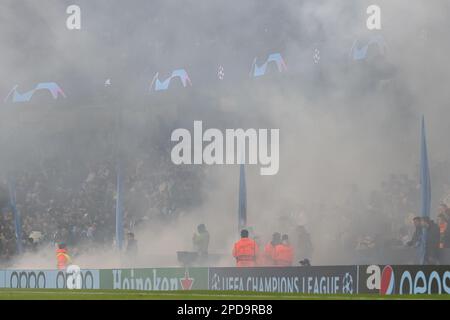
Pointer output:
x,y
283,255
269,251
62,258
442,229
245,251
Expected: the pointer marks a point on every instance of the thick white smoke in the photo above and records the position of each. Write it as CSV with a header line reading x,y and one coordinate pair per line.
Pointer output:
x,y
343,128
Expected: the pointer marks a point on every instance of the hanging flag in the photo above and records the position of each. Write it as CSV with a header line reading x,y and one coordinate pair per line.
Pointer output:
x,y
425,190
242,218
119,209
17,222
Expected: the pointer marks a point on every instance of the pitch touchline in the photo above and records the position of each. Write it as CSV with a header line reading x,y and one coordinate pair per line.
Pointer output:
x,y
205,295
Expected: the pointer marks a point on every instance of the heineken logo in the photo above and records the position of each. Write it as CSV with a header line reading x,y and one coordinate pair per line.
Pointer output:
x,y
151,280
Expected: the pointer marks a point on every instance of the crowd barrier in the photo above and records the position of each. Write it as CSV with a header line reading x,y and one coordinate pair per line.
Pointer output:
x,y
364,279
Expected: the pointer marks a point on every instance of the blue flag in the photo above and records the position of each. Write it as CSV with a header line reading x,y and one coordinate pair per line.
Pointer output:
x,y
242,218
119,209
425,190
17,222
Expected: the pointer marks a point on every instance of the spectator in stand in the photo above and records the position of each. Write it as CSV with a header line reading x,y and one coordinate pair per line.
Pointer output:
x,y
90,232
303,244
432,240
443,209
416,238
444,231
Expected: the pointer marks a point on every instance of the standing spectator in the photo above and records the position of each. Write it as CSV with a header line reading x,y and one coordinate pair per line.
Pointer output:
x,y
444,231
91,232
303,244
416,238
200,240
432,240
131,245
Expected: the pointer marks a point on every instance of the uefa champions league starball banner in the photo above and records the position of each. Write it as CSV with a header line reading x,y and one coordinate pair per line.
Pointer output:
x,y
309,280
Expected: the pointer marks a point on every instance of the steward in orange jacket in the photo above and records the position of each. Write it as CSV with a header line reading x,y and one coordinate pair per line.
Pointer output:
x,y
62,257
245,251
284,253
269,249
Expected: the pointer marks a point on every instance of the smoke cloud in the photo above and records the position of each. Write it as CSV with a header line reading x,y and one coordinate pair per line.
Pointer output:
x,y
345,126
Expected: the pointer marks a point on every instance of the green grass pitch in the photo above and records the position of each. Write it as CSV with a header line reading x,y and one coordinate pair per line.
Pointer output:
x,y
61,294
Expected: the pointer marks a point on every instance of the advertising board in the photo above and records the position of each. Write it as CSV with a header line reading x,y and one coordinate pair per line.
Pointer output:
x,y
321,279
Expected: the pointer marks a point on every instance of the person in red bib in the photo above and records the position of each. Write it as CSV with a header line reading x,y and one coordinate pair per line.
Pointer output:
x,y
284,253
62,257
245,251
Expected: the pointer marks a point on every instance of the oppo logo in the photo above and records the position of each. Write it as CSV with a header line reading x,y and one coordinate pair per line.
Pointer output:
x,y
71,278
30,279
408,283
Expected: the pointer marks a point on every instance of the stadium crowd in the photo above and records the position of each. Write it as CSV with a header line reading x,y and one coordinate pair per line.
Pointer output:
x,y
398,203
56,207
53,209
